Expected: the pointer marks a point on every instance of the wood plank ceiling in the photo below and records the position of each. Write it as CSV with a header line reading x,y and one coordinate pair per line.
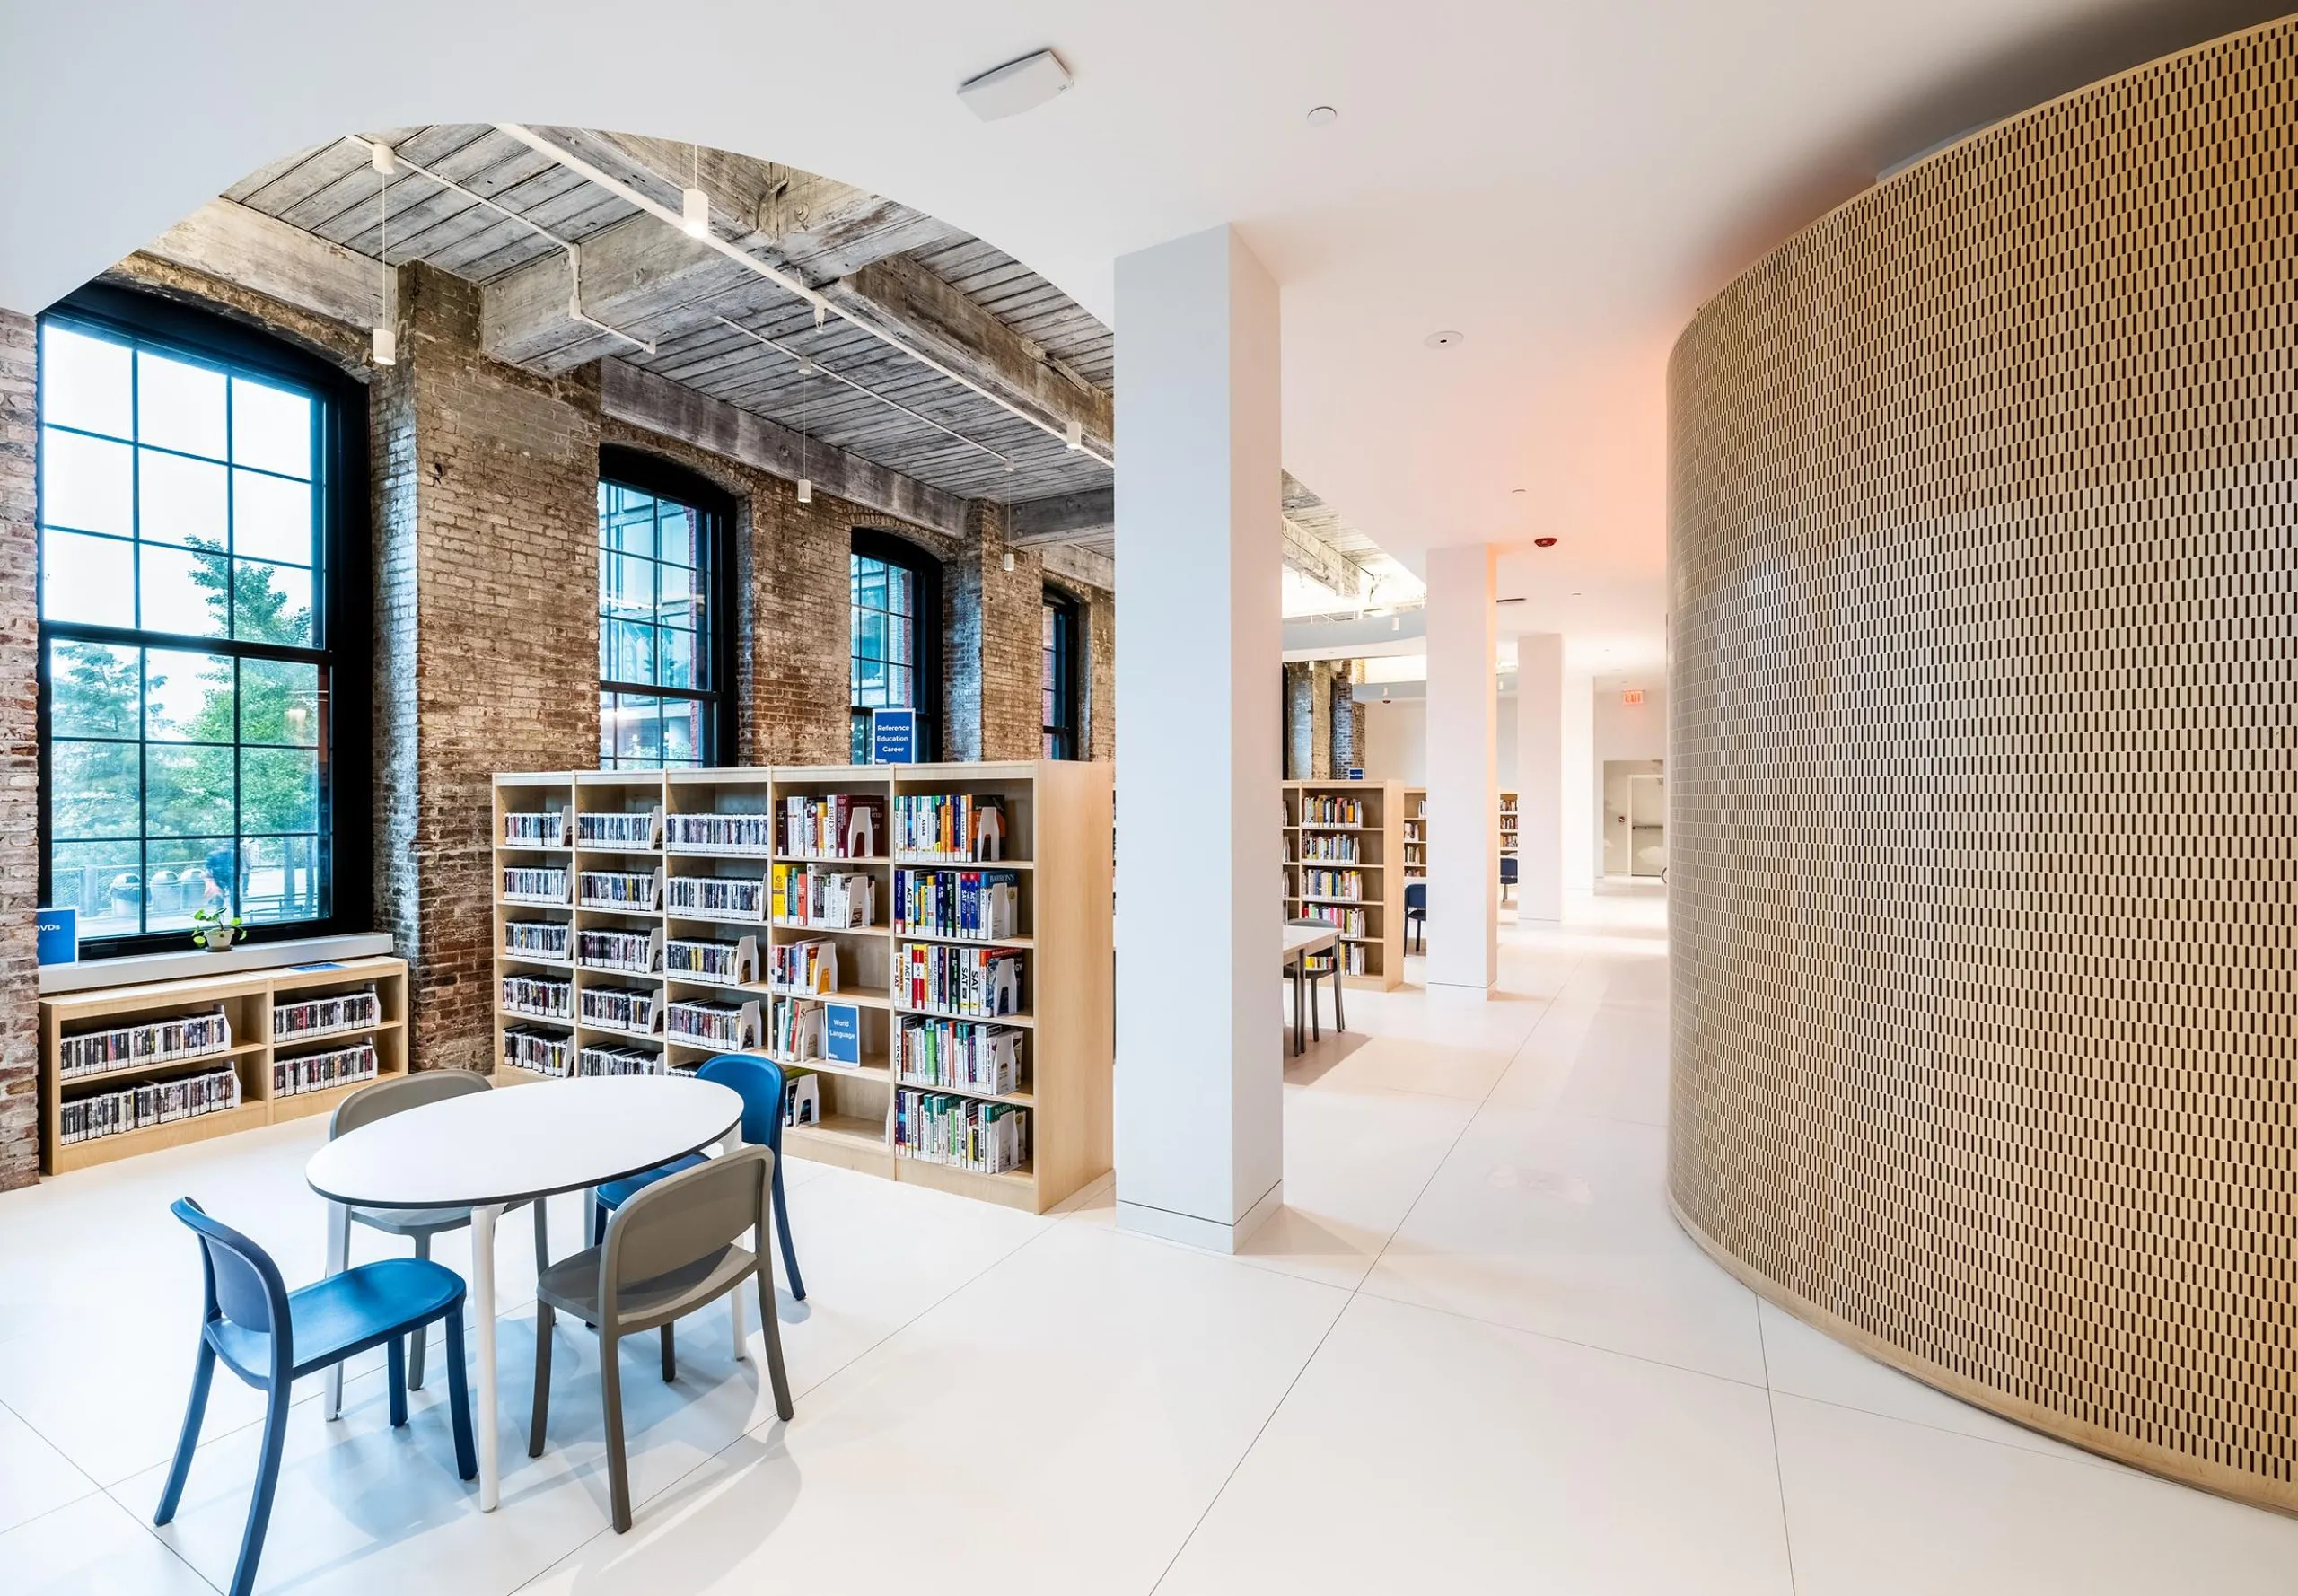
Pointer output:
x,y
911,419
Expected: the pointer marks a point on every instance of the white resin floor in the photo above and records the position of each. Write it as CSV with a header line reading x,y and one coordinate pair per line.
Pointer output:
x,y
1474,1353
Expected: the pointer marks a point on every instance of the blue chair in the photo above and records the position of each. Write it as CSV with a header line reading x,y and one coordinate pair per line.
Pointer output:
x,y
758,1080
1415,911
271,1337
1507,875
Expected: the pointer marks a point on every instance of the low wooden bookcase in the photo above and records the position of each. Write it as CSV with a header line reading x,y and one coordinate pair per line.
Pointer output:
x,y
628,879
247,999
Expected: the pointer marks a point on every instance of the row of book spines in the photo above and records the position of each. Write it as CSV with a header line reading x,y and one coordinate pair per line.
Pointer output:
x,y
844,825
548,828
960,1055
948,827
619,889
714,1024
625,1061
188,1036
844,899
543,883
988,1138
718,894
977,982
622,1007
347,1011
317,1071
1331,811
983,903
116,1112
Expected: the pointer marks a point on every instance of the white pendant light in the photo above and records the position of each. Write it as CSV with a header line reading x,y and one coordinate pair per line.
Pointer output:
x,y
805,483
693,203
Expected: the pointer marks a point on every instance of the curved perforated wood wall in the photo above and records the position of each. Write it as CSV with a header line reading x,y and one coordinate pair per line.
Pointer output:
x,y
1985,593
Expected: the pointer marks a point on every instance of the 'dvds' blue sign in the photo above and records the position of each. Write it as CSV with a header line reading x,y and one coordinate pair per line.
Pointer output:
x,y
59,935
893,736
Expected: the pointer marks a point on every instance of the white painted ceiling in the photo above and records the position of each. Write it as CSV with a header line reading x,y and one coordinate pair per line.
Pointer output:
x,y
1562,183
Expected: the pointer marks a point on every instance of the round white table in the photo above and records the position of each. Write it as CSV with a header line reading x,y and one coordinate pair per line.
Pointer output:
x,y
490,1149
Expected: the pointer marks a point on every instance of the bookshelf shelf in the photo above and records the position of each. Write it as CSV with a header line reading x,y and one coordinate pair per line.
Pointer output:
x,y
246,1000
737,824
1374,829
1025,1020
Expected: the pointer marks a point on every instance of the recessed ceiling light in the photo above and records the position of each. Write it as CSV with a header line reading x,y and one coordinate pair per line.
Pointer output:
x,y
1443,339
1322,115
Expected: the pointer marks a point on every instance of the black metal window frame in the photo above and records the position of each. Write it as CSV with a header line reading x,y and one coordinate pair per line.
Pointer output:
x,y
343,596
716,638
925,640
1062,629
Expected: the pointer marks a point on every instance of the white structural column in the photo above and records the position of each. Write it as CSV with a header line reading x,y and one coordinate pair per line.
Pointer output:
x,y
1541,805
1463,772
1200,1072
1583,784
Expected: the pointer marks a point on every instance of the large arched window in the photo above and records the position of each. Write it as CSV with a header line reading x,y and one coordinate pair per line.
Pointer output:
x,y
896,653
203,604
665,617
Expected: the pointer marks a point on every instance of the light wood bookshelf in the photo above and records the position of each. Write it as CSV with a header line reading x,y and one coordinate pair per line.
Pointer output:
x,y
1057,846
1414,839
1507,825
247,998
1378,867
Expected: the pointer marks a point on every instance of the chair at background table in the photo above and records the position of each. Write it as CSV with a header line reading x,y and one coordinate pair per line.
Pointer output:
x,y
271,1337
669,1249
1507,875
384,1099
1416,912
1315,968
758,1081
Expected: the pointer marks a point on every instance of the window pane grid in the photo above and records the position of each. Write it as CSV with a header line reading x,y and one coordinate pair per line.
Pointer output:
x,y
185,690
1057,632
657,690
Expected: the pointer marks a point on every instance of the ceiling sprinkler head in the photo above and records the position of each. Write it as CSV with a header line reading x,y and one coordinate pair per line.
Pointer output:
x,y
1543,543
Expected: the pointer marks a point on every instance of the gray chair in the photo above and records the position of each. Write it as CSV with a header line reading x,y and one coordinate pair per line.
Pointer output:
x,y
1315,968
380,1101
671,1247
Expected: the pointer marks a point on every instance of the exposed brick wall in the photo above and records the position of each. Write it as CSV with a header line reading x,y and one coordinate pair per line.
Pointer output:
x,y
961,630
499,503
995,668
1101,688
19,759
1322,730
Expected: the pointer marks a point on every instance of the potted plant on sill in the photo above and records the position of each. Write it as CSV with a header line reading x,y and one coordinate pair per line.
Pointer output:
x,y
214,929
